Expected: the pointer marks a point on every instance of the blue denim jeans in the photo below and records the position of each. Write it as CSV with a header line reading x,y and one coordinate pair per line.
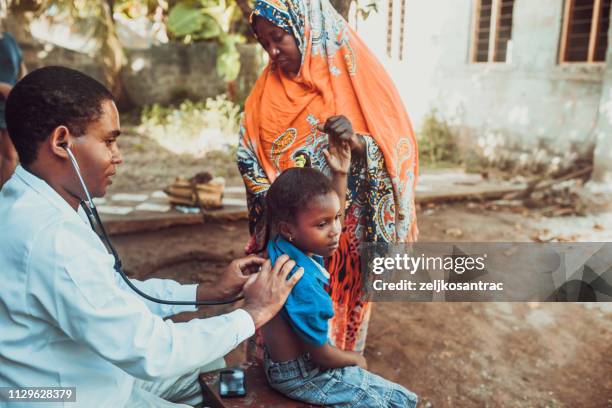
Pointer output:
x,y
351,386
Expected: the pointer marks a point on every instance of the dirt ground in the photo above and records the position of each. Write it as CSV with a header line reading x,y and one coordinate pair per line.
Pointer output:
x,y
148,166
451,354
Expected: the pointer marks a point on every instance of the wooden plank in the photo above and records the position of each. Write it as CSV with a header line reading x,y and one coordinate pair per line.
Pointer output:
x,y
594,30
117,225
566,18
493,33
506,29
259,393
477,194
475,31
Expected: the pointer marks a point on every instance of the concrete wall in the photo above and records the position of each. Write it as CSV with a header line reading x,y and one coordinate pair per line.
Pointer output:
x,y
158,74
528,110
602,175
161,73
37,55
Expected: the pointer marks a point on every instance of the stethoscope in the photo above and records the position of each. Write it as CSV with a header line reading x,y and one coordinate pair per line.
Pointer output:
x,y
94,219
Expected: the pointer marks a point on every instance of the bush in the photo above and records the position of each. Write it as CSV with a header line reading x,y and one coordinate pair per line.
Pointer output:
x,y
436,142
193,127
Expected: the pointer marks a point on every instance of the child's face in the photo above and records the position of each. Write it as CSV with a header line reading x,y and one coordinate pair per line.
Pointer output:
x,y
317,227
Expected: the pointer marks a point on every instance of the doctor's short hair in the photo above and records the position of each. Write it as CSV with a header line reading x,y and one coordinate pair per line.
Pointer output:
x,y
292,191
47,98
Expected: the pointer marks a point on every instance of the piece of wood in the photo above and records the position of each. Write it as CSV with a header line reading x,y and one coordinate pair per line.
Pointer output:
x,y
566,19
477,195
536,186
259,393
495,9
594,30
144,222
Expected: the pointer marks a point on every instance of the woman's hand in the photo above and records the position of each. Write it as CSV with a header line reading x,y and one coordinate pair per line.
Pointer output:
x,y
340,128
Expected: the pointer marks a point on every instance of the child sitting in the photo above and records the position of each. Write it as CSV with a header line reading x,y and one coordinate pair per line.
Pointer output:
x,y
305,212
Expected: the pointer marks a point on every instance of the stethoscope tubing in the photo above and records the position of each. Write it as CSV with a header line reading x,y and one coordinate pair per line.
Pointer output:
x,y
94,219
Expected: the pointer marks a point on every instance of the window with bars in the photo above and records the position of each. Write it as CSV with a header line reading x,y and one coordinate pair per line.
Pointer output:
x,y
585,31
492,30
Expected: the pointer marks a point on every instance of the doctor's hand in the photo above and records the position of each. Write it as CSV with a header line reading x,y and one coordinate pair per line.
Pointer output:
x,y
266,292
231,282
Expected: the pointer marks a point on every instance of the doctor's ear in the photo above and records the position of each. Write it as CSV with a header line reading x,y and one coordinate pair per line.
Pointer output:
x,y
60,140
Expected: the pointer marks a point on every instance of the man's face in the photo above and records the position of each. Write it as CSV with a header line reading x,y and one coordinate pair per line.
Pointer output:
x,y
280,46
97,152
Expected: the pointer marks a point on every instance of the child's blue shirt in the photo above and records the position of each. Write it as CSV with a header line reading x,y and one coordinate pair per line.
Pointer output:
x,y
309,306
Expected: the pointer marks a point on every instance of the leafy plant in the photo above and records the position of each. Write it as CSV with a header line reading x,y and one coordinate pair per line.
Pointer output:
x,y
93,19
222,21
193,127
192,23
436,141
210,20
364,11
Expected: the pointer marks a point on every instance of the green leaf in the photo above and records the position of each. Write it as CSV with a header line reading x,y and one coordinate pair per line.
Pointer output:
x,y
210,29
185,20
228,57
222,14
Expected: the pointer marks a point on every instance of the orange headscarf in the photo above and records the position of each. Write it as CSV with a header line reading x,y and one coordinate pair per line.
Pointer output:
x,y
338,75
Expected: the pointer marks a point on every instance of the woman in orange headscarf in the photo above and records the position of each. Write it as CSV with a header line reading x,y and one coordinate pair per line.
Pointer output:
x,y
319,68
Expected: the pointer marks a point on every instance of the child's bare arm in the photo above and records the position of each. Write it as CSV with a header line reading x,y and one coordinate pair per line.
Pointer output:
x,y
339,176
338,155
328,356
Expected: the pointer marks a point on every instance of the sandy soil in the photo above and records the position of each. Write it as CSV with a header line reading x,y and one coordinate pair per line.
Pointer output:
x,y
451,354
148,166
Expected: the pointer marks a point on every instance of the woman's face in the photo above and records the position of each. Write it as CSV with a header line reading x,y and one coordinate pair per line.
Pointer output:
x,y
280,46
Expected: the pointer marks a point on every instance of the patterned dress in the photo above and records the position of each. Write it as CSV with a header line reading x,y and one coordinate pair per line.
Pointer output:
x,y
369,206
338,75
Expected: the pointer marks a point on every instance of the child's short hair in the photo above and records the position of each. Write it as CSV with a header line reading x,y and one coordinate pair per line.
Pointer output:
x,y
292,191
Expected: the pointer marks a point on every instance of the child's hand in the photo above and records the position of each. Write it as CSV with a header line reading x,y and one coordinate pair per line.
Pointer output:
x,y
340,132
338,157
361,361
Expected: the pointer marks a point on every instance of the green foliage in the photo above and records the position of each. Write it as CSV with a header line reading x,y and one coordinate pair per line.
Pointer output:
x,y
185,20
209,20
364,11
92,19
193,127
228,57
436,142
